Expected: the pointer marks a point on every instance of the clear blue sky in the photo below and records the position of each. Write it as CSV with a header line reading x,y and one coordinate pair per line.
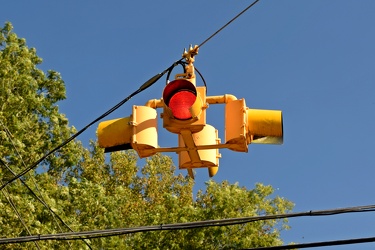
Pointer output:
x,y
312,59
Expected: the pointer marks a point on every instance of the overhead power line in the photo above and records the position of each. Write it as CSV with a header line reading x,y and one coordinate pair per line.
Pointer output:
x,y
10,201
318,244
183,226
147,84
224,26
40,199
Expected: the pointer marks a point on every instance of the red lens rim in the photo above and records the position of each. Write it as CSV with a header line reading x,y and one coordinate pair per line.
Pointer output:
x,y
179,96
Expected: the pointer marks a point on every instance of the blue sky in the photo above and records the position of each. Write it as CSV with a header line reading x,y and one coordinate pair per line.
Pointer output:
x,y
312,59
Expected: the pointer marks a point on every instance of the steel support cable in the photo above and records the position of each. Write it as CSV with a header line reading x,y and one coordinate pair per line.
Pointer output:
x,y
225,25
184,226
147,84
143,87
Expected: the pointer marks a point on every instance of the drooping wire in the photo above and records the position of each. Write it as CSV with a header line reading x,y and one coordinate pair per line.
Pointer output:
x,y
180,62
191,225
147,84
8,133
224,26
40,199
317,244
204,81
183,64
10,201
43,202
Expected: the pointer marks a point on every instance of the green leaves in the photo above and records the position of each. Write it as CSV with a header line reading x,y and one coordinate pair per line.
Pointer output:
x,y
89,191
28,110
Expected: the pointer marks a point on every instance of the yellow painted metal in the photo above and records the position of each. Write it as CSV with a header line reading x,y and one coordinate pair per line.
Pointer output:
x,y
198,115
116,134
220,99
190,173
212,171
138,131
189,142
198,111
189,57
236,125
191,157
198,142
180,149
155,103
145,133
265,126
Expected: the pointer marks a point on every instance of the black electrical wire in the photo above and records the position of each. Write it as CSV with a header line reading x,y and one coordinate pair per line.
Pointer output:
x,y
18,214
183,64
180,62
146,85
317,244
42,201
190,225
234,18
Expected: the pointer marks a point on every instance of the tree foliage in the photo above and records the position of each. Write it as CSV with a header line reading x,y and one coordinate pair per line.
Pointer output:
x,y
89,192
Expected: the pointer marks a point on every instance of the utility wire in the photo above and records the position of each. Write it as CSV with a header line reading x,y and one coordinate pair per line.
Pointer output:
x,y
147,84
7,196
318,244
41,200
223,27
183,226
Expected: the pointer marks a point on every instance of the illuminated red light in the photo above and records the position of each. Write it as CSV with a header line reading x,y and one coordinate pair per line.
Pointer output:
x,y
179,96
180,104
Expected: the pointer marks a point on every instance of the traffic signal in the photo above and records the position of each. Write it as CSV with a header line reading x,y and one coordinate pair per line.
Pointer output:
x,y
184,106
244,126
184,113
138,131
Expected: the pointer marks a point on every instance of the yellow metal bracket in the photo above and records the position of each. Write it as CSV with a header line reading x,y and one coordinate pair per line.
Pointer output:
x,y
189,68
190,146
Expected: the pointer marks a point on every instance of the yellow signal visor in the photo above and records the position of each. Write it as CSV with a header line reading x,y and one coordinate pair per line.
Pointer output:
x,y
114,135
138,131
265,126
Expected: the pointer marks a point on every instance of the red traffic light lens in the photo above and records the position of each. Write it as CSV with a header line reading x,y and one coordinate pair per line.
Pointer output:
x,y
179,95
180,104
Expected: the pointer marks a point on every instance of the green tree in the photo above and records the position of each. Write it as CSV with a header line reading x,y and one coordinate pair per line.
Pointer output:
x,y
30,125
89,192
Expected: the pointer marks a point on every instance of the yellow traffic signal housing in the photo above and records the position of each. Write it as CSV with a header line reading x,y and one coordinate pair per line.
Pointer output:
x,y
193,158
244,126
184,106
138,131
265,126
184,113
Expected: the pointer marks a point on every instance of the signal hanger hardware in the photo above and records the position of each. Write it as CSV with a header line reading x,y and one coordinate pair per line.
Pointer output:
x,y
184,112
